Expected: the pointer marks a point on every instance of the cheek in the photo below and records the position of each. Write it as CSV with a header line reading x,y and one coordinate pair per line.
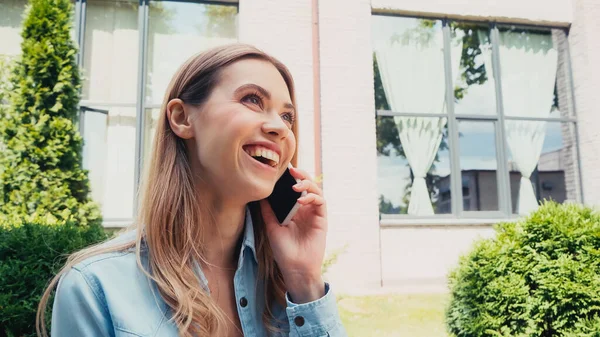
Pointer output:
x,y
291,145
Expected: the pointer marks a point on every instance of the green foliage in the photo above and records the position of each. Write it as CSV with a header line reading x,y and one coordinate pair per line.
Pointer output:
x,y
5,69
41,174
332,259
30,255
386,207
539,277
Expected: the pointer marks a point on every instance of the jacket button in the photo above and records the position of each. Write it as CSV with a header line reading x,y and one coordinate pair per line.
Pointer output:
x,y
243,302
299,321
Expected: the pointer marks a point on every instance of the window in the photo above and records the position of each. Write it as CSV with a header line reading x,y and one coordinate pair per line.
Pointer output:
x,y
11,22
127,65
472,118
178,30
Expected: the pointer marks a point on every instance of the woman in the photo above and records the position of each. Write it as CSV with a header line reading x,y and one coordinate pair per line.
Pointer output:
x,y
208,257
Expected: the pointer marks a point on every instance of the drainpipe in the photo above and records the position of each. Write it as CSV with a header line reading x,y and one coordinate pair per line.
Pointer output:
x,y
317,89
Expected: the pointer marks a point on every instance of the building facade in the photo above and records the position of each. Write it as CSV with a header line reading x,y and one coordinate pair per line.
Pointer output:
x,y
429,121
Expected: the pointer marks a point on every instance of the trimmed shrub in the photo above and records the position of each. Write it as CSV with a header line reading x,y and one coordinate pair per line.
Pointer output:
x,y
538,277
42,176
30,255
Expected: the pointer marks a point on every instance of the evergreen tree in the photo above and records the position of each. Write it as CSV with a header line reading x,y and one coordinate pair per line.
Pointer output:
x,y
42,174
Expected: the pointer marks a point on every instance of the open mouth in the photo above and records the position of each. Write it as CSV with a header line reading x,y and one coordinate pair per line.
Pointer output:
x,y
262,154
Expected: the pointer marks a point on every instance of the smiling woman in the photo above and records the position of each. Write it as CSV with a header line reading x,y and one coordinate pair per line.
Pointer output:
x,y
208,256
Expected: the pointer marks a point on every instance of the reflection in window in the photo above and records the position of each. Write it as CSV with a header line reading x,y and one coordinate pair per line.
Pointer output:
x,y
478,165
528,63
410,99
409,68
533,86
111,51
398,175
410,58
551,178
178,30
474,92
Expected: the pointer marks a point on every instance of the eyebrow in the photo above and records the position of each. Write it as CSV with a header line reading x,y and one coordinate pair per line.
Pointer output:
x,y
263,92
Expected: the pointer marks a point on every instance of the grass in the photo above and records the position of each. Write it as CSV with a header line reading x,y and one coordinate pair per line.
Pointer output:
x,y
414,315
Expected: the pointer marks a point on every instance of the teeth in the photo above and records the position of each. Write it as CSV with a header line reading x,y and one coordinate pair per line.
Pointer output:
x,y
259,151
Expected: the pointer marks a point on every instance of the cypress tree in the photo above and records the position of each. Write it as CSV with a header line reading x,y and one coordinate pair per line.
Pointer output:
x,y
42,175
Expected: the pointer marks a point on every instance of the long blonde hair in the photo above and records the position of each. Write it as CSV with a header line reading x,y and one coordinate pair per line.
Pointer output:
x,y
172,218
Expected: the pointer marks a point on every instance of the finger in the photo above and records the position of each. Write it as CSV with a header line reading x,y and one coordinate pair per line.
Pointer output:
x,y
300,174
313,199
308,186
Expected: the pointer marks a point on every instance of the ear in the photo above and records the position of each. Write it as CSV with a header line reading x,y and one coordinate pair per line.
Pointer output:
x,y
178,116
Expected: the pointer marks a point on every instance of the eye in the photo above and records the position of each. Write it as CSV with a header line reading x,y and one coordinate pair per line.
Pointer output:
x,y
289,117
253,99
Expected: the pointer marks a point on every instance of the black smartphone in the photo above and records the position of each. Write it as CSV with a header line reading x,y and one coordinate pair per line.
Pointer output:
x,y
284,200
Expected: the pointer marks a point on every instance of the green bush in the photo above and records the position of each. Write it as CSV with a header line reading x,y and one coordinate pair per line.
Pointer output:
x,y
42,176
30,255
538,277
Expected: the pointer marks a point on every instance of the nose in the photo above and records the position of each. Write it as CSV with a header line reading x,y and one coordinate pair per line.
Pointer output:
x,y
275,126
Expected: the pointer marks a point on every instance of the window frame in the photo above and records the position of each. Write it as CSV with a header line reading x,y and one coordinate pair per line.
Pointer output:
x,y
458,215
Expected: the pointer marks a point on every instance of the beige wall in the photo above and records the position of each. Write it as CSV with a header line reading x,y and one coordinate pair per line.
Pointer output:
x,y
420,258
348,135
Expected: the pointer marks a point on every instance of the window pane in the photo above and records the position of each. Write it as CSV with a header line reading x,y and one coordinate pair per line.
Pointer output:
x,y
408,55
111,51
11,21
474,90
531,61
478,166
178,30
109,155
413,166
543,166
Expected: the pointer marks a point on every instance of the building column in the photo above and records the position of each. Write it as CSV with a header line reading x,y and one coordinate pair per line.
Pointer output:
x,y
585,53
349,143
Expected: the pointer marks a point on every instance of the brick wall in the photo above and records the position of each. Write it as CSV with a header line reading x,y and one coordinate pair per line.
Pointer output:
x,y
585,52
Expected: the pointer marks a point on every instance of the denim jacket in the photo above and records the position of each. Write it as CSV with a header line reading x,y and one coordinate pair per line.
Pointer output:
x,y
108,295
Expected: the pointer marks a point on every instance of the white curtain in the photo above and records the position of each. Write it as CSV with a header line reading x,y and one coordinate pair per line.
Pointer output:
x,y
412,73
528,64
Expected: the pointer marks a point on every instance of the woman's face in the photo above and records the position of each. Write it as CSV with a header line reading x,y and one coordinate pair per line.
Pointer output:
x,y
241,139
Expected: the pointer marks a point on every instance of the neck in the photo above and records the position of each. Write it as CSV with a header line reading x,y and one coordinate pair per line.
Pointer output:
x,y
222,237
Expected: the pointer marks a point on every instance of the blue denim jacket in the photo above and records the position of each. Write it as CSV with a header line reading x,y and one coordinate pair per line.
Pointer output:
x,y
108,295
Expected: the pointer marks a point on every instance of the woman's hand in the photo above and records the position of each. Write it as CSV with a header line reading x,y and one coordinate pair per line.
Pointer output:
x,y
299,247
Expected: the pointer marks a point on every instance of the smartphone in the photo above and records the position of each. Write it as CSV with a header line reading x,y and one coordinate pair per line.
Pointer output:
x,y
284,200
